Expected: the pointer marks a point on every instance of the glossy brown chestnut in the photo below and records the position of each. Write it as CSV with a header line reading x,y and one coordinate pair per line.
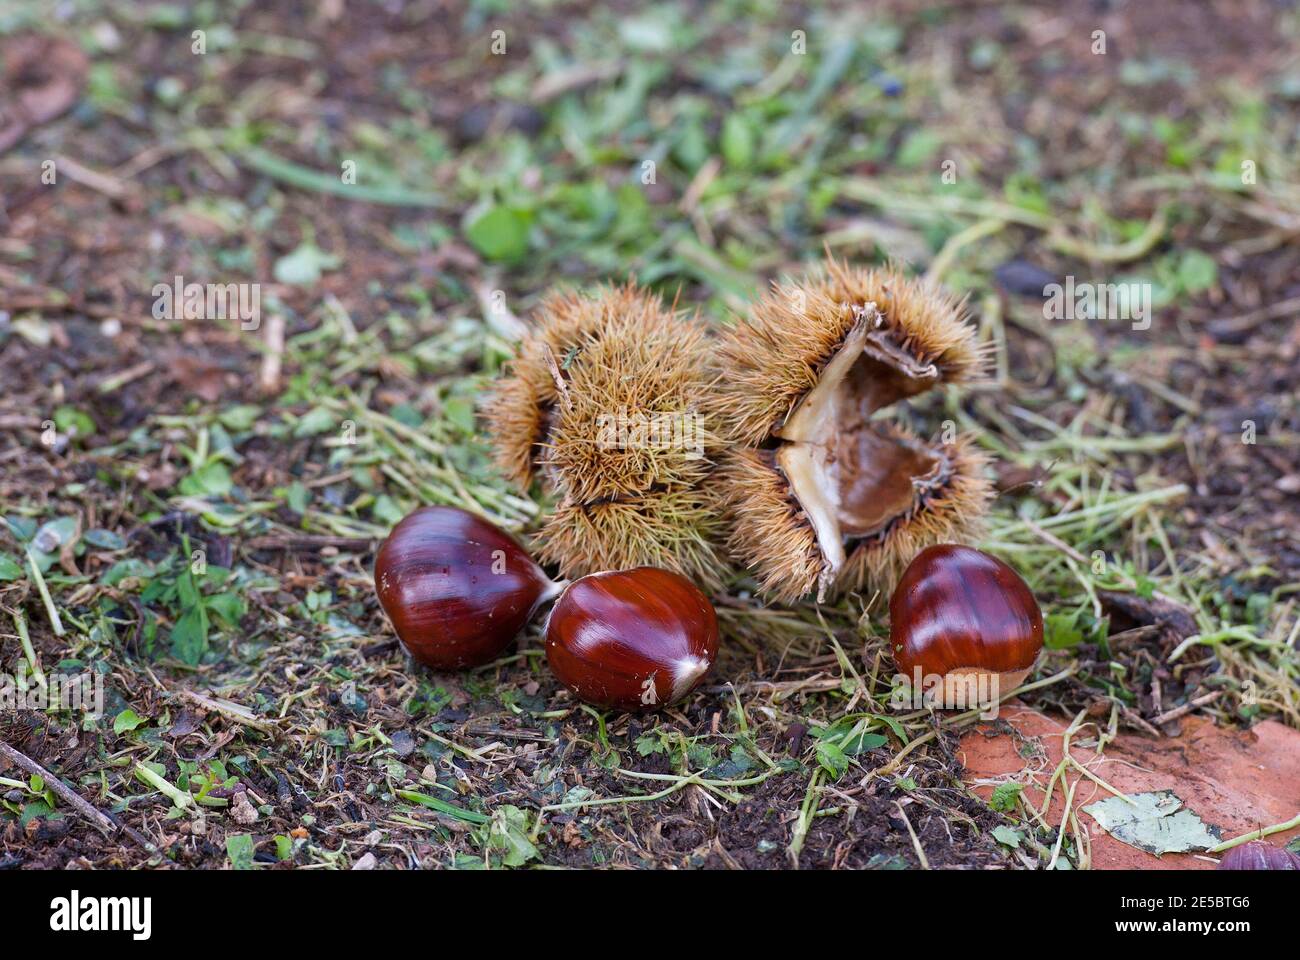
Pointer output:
x,y
632,639
967,617
1258,855
457,588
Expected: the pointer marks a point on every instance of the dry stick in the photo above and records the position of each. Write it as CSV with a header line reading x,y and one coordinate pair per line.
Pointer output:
x,y
1186,708
1083,840
500,318
118,380
28,650
916,841
1088,773
105,822
44,590
268,376
104,183
235,712
1068,817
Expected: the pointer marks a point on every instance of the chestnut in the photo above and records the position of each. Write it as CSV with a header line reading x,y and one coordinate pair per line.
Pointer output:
x,y
631,639
963,625
457,588
1258,855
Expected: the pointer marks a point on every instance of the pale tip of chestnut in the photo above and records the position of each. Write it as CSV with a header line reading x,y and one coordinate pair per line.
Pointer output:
x,y
964,626
971,686
686,673
631,639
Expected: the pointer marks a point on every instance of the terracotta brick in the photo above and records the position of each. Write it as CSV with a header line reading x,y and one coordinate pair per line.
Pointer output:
x,y
1233,779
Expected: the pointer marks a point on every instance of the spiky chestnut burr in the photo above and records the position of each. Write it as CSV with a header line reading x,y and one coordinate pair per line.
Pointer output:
x,y
604,402
457,588
819,495
631,639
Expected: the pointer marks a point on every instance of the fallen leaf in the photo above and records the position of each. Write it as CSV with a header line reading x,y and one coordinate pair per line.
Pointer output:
x,y
1007,836
1155,822
186,723
1141,611
203,378
43,77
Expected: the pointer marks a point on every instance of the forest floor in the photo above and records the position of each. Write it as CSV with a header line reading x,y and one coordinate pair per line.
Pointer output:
x,y
259,710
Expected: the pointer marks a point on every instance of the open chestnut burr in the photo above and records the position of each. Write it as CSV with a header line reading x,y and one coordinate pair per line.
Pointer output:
x,y
631,639
963,625
457,588
822,492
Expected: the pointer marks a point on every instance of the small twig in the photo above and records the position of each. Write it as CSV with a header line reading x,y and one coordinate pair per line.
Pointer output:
x,y
1248,321
268,376
559,82
44,590
498,315
916,841
806,813
229,709
705,176
105,822
1186,708
28,650
121,379
1068,812
110,186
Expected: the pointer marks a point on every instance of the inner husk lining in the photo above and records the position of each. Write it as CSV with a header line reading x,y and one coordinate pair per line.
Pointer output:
x,y
854,476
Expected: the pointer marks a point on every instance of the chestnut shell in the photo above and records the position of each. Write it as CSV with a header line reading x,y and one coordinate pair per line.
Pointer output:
x,y
957,609
1259,855
632,639
457,588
